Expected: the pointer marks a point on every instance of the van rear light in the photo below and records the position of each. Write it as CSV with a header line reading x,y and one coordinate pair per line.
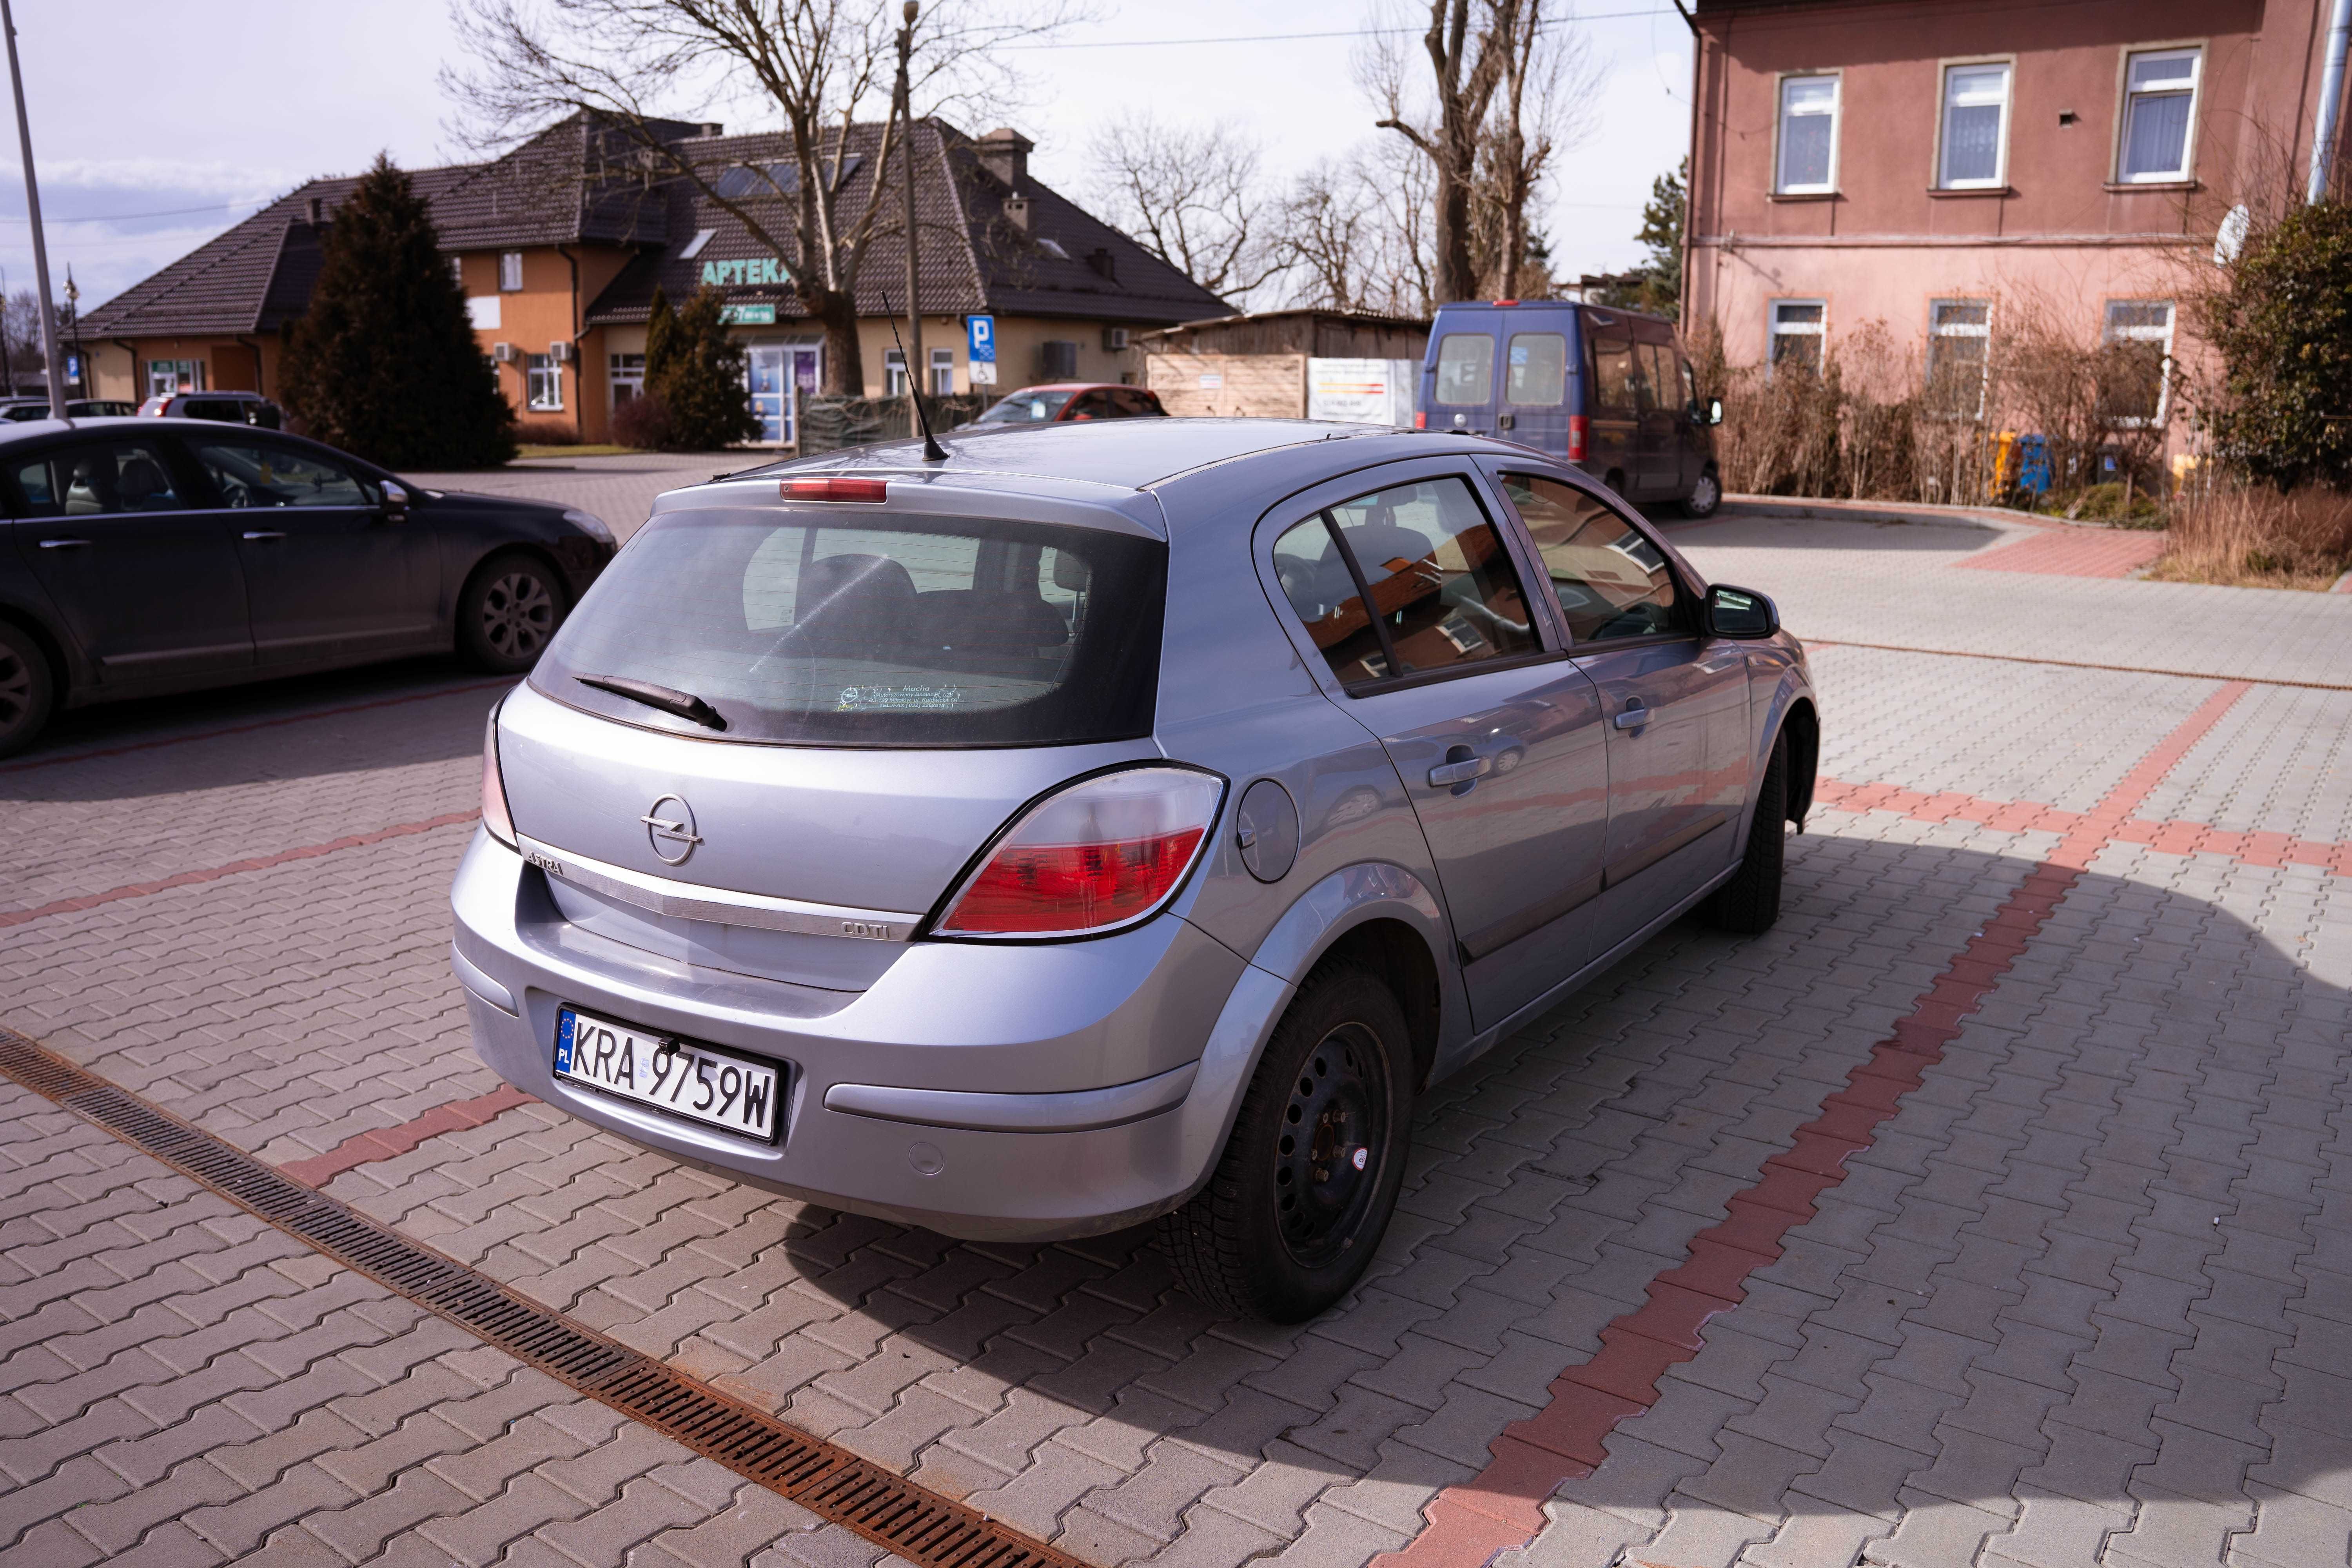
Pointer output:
x,y
495,816
1101,853
834,488
1577,427
1421,418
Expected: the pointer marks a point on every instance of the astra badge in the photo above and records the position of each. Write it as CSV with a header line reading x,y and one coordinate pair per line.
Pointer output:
x,y
669,827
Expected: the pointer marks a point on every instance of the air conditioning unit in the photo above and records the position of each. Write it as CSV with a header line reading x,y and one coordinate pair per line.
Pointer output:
x,y
561,352
1114,340
503,352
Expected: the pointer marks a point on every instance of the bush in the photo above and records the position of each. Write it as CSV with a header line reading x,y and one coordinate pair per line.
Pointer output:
x,y
642,422
2282,329
546,433
2256,537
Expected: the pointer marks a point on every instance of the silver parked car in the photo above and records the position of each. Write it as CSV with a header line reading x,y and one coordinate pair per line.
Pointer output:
x,y
1112,822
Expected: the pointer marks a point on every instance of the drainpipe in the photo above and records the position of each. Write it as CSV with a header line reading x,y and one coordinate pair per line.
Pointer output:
x,y
580,377
2331,98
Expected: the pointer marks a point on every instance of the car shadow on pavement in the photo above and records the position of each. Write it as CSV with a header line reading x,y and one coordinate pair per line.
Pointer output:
x,y
2138,1084
1741,529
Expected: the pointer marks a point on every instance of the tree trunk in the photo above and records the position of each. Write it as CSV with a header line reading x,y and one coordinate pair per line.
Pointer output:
x,y
845,362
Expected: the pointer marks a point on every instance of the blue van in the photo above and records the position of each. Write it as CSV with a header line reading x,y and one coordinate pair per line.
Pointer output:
x,y
1611,391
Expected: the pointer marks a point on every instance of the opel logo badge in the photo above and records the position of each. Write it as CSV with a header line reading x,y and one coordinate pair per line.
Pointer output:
x,y
670,828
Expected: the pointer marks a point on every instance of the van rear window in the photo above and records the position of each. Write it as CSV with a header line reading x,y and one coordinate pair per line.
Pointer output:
x,y
880,631
1466,368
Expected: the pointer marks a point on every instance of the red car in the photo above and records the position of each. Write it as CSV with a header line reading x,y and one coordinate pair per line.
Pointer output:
x,y
1066,401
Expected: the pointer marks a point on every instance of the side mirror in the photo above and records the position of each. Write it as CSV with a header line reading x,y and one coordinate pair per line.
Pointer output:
x,y
396,501
1715,411
1741,612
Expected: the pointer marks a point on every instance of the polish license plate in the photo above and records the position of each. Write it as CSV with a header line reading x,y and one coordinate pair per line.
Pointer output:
x,y
681,1078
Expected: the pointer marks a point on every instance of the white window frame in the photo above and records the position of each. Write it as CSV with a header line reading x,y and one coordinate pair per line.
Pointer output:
x,y
625,378
163,376
1937,329
942,373
2195,54
2111,334
457,270
535,400
894,374
1780,125
1999,180
1774,333
509,272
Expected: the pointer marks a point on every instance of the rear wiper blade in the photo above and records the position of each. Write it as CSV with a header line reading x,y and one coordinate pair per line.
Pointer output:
x,y
668,699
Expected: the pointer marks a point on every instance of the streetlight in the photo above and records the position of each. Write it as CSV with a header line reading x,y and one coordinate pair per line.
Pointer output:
x,y
33,213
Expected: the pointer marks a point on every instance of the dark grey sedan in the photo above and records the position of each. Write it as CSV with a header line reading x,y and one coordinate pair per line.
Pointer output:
x,y
151,556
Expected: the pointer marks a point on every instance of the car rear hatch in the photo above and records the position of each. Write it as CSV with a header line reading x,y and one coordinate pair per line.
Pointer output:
x,y
776,732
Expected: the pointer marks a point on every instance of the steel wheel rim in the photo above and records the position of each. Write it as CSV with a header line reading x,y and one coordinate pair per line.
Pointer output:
x,y
1332,1145
1707,493
517,615
15,688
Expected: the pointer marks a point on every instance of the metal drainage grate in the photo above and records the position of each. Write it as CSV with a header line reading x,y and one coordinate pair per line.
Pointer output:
x,y
831,1482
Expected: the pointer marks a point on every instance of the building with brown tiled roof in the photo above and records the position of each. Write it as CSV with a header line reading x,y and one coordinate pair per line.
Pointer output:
x,y
561,243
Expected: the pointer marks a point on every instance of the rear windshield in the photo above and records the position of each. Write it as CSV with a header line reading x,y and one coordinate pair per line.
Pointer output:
x,y
1026,408
896,631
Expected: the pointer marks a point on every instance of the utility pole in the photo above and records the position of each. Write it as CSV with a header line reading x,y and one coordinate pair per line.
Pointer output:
x,y
33,212
7,361
905,107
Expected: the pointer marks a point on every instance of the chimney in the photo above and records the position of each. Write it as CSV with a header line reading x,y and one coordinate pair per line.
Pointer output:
x,y
713,127
1104,265
317,210
1004,152
1016,212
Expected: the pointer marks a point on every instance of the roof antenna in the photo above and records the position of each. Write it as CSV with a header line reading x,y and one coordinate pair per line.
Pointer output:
x,y
932,451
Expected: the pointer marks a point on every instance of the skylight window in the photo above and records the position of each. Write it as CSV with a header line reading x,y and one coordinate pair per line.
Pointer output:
x,y
702,236
1053,249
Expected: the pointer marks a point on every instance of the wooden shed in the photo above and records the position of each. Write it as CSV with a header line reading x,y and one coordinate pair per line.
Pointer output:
x,y
1290,364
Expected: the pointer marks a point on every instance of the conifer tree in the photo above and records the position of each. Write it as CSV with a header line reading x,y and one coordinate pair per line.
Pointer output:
x,y
661,337
701,383
384,363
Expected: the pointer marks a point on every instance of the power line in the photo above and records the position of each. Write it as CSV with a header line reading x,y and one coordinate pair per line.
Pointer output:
x,y
1289,38
127,218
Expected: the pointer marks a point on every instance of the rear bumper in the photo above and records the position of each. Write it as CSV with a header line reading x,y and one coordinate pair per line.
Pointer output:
x,y
1005,1092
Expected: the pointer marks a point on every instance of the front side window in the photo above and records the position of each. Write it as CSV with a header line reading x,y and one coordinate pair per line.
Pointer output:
x,y
96,478
546,384
1465,369
166,376
889,630
1808,115
1612,583
1959,338
1537,373
1435,571
2160,108
1976,125
2135,361
1799,335
250,474
509,270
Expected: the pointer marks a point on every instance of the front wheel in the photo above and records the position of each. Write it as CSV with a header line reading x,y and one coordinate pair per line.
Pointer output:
x,y
28,689
510,610
1705,497
1303,1193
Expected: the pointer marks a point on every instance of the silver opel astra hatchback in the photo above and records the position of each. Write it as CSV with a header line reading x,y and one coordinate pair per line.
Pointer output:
x,y
1111,823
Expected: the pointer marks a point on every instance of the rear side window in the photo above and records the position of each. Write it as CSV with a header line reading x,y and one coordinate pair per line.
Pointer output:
x,y
102,476
1613,375
1441,585
1538,373
881,631
1611,582
1466,368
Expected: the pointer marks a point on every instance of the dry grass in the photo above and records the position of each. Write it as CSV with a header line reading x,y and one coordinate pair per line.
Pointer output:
x,y
2254,537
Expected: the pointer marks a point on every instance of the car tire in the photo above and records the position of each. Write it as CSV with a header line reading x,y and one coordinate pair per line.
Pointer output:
x,y
1705,497
1277,1233
28,689
1750,901
510,610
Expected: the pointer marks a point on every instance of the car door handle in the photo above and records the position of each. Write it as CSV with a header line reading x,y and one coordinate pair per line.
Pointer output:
x,y
65,544
263,533
1633,718
1446,775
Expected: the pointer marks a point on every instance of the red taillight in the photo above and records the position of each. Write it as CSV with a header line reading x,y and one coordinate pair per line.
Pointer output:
x,y
1099,855
495,816
1421,418
1507,302
834,488
1577,427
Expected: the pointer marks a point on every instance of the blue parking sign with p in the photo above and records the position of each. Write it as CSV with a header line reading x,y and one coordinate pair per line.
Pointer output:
x,y
981,332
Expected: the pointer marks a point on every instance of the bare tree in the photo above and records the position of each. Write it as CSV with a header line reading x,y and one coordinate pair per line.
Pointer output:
x,y
1355,232
1195,198
811,66
1465,66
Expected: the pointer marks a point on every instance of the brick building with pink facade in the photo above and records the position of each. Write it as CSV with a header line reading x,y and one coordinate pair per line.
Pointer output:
x,y
1929,163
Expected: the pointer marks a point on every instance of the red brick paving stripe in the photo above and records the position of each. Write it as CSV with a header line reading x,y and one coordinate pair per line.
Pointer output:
x,y
388,1143
1468,1524
2079,664
2072,552
248,729
234,868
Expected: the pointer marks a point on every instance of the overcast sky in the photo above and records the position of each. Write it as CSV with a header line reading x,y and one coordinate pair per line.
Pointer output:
x,y
167,123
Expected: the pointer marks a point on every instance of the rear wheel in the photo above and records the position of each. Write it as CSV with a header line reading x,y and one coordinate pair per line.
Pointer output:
x,y
1308,1179
510,610
28,689
1705,497
1750,901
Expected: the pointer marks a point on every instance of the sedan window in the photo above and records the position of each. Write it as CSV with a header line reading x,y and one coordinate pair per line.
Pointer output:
x,y
1443,588
102,476
247,473
1025,408
1612,581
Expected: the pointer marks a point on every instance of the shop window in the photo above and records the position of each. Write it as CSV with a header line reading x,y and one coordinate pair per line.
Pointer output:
x,y
1959,339
545,379
2136,366
2160,108
1809,116
1973,151
1799,335
509,272
628,377
166,376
